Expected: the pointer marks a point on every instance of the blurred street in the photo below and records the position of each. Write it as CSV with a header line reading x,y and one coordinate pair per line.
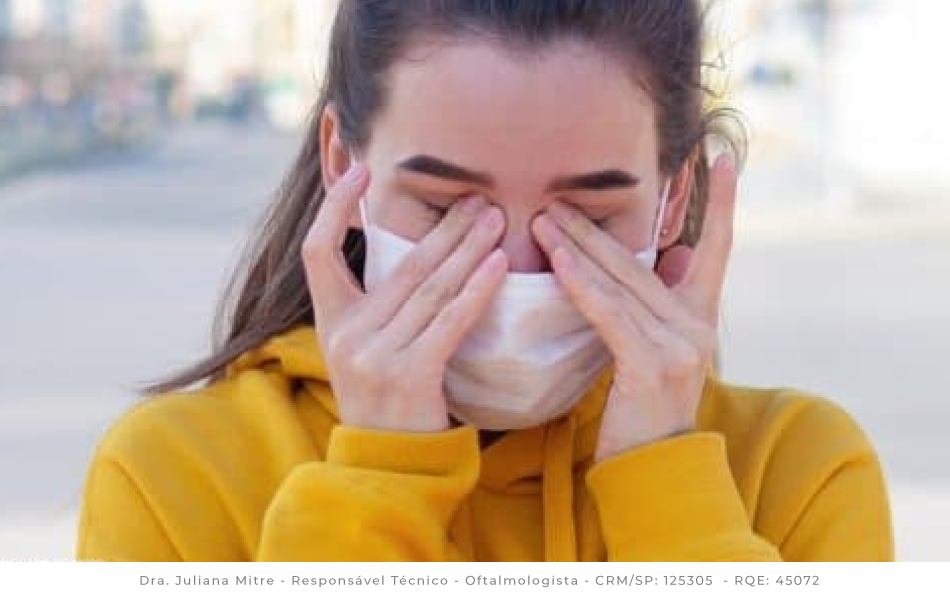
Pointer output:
x,y
109,276
110,271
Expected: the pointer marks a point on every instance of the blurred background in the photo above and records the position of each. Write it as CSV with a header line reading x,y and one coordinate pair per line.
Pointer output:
x,y
140,140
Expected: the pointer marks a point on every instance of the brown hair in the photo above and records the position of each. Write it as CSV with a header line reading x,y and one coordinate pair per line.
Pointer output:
x,y
659,41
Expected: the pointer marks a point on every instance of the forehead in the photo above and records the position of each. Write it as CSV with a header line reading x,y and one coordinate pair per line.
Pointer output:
x,y
567,107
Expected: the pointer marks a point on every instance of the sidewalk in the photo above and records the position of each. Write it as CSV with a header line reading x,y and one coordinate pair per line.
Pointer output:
x,y
782,200
47,147
812,222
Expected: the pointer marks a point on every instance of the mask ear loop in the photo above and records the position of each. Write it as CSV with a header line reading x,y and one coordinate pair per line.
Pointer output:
x,y
363,215
661,210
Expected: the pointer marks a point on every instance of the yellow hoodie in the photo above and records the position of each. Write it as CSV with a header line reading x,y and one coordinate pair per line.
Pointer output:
x,y
256,467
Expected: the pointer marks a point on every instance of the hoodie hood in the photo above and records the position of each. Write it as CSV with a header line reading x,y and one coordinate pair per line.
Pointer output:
x,y
544,461
514,463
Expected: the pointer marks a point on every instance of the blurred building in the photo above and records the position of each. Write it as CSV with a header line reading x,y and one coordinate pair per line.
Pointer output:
x,y
232,55
61,34
59,17
220,46
49,18
132,28
24,17
892,126
6,29
6,18
844,95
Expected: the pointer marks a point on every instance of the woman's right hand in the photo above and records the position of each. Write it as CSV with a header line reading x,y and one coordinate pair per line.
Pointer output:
x,y
386,351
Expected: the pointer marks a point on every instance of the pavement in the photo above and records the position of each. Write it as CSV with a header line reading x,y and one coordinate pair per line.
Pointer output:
x,y
44,147
111,269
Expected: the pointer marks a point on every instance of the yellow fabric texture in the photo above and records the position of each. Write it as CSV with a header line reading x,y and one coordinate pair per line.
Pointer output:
x,y
256,467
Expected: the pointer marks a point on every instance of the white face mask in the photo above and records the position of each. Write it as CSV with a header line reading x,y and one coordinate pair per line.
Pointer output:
x,y
532,355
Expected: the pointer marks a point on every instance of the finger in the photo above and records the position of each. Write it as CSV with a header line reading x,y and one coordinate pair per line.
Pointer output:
x,y
430,254
331,284
445,283
617,260
632,333
446,332
706,274
673,265
592,289
627,338
574,230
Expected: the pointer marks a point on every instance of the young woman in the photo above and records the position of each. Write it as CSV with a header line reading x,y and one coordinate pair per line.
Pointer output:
x,y
480,324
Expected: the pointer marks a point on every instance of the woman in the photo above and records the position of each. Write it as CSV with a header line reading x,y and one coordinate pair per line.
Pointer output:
x,y
497,365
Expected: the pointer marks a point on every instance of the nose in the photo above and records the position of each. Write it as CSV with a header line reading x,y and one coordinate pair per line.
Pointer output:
x,y
524,253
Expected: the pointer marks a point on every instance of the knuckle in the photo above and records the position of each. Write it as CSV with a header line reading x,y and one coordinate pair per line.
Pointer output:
x,y
444,317
655,333
612,312
315,247
609,295
434,293
683,359
414,267
439,340
452,316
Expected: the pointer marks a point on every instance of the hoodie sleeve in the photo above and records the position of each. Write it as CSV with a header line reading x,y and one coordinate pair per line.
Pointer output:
x,y
821,489
378,496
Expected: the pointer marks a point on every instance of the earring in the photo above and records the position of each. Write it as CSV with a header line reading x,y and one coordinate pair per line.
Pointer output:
x,y
664,232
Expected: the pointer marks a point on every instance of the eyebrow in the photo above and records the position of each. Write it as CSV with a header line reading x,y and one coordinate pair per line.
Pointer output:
x,y
597,181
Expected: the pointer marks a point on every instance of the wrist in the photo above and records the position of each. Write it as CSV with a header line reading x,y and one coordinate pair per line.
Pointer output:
x,y
396,422
610,445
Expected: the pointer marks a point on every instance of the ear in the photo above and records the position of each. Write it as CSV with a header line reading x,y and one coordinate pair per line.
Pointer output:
x,y
335,157
681,188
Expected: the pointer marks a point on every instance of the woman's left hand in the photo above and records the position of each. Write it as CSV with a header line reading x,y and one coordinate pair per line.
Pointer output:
x,y
662,332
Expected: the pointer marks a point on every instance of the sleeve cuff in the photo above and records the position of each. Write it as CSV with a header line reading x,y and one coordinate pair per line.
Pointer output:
x,y
435,454
667,500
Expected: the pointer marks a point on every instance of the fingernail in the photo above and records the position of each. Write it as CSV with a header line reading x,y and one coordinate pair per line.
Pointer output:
x,y
496,258
726,161
491,219
473,204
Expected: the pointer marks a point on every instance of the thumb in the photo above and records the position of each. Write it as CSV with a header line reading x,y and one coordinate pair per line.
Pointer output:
x,y
673,264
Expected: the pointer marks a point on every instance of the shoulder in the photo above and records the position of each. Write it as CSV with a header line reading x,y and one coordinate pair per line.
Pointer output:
x,y
192,465
782,417
246,414
791,450
807,471
786,445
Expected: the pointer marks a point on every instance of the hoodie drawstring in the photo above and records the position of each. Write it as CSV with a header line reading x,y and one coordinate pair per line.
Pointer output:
x,y
557,493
